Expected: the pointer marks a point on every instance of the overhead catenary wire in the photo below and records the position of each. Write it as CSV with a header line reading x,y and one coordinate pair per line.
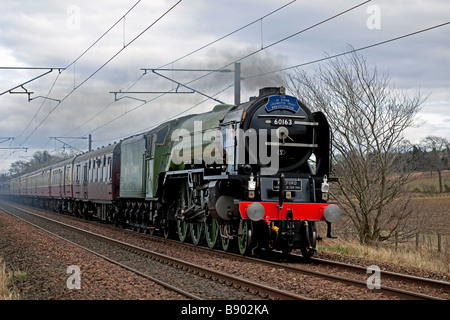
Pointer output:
x,y
102,66
37,112
348,52
165,120
103,35
229,34
279,70
34,117
244,57
97,70
177,60
281,40
70,64
296,66
306,63
61,69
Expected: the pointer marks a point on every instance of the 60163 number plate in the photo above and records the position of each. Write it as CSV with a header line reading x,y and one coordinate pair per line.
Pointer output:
x,y
283,122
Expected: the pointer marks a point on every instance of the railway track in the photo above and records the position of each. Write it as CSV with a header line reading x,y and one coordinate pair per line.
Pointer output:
x,y
394,285
205,283
392,279
297,264
390,276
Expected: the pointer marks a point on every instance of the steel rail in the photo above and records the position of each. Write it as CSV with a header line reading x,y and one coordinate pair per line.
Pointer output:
x,y
404,294
144,275
391,291
258,288
432,283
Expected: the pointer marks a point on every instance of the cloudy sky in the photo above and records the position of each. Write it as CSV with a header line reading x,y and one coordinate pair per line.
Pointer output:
x,y
91,48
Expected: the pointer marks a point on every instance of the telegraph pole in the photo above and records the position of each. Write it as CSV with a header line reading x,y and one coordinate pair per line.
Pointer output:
x,y
237,83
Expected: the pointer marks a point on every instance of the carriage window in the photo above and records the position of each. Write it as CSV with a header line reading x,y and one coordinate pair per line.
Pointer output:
x,y
91,169
109,169
85,173
77,175
68,175
99,172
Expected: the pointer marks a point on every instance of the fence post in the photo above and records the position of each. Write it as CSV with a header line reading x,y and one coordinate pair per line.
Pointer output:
x,y
417,241
396,240
439,243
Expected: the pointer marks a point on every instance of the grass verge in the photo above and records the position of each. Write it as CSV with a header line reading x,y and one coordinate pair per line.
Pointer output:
x,y
6,280
405,254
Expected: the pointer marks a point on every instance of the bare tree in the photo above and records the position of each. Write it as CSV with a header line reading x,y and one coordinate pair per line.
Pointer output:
x,y
39,160
438,156
368,118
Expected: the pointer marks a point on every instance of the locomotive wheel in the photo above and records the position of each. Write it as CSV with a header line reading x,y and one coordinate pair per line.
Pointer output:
x,y
76,210
197,232
168,230
211,232
182,228
309,250
245,239
59,207
85,212
225,231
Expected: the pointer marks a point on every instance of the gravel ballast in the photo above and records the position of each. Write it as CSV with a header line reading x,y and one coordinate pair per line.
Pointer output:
x,y
44,263
45,260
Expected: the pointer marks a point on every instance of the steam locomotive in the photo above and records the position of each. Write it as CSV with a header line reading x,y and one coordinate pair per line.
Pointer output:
x,y
246,177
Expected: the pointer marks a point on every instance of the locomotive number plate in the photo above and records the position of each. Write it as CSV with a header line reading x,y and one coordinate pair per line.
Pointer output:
x,y
283,122
291,184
